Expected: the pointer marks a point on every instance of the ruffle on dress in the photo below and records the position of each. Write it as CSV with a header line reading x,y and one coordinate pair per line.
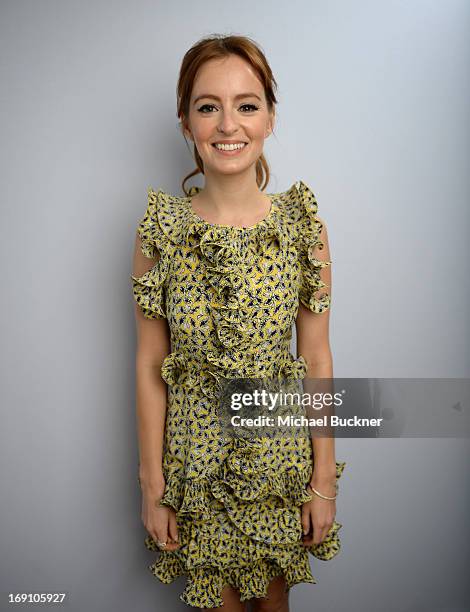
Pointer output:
x,y
148,289
205,584
247,460
180,368
261,506
171,220
221,250
241,553
310,228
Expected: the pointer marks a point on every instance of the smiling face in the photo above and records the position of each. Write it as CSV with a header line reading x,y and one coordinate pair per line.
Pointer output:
x,y
228,105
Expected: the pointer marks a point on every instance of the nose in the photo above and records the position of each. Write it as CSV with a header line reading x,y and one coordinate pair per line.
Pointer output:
x,y
228,122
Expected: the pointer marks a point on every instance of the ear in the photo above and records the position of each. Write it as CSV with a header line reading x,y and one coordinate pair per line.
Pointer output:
x,y
185,129
270,127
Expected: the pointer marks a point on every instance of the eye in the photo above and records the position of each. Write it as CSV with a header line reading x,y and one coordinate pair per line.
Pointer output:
x,y
250,106
205,106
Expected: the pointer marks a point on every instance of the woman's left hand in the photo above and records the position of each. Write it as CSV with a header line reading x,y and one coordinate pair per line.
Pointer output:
x,y
318,514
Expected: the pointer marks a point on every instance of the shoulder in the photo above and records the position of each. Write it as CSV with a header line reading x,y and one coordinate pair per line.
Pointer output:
x,y
298,201
166,218
311,239
149,227
300,208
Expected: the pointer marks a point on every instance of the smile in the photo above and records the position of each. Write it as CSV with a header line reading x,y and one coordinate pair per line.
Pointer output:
x,y
230,149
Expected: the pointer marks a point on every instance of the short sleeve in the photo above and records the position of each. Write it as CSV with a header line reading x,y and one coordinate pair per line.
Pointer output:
x,y
309,243
152,237
149,288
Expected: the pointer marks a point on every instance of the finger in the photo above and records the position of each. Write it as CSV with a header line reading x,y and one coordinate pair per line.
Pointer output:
x,y
162,533
321,534
308,540
305,520
172,527
161,528
318,536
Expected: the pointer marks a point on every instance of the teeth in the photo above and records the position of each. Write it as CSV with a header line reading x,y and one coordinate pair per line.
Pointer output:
x,y
230,147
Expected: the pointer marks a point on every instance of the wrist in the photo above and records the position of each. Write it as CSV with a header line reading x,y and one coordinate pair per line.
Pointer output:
x,y
152,481
325,482
324,472
329,493
154,491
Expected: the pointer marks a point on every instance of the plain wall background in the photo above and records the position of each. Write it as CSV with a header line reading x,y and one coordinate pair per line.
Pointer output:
x,y
373,115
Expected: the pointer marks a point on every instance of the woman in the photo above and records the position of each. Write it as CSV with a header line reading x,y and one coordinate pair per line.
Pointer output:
x,y
231,269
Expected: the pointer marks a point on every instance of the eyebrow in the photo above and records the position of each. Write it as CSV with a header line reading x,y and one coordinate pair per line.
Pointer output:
x,y
249,94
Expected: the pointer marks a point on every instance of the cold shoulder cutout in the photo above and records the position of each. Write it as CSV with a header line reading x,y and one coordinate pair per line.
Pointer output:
x,y
309,231
148,288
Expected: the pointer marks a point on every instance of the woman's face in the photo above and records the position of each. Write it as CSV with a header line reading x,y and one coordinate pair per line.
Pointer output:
x,y
228,104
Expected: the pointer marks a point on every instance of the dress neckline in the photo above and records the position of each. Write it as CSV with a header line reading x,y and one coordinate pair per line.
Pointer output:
x,y
194,190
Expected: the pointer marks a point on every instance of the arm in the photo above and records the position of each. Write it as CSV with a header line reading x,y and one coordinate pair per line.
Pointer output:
x,y
153,344
313,343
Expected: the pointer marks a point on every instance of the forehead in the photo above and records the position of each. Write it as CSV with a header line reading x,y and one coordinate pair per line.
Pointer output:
x,y
226,76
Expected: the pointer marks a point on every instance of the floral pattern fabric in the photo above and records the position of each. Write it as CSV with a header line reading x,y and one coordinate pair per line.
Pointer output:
x,y
230,296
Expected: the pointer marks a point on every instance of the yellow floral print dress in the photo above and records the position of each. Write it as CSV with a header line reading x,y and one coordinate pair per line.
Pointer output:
x,y
230,296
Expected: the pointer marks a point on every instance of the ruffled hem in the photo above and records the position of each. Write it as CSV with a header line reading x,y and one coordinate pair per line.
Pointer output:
x,y
256,543
205,584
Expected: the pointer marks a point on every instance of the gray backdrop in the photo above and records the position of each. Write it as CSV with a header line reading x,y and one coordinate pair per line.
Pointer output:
x,y
373,115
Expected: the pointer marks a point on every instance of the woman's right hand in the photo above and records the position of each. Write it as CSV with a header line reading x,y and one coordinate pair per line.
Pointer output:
x,y
159,521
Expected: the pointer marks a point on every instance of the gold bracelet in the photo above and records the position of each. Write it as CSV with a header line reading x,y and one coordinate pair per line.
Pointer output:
x,y
324,496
